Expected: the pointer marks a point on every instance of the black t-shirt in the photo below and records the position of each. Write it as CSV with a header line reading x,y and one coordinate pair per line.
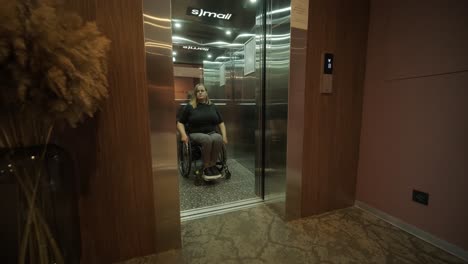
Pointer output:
x,y
202,119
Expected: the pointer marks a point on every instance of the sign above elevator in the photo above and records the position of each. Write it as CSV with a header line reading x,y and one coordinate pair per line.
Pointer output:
x,y
199,12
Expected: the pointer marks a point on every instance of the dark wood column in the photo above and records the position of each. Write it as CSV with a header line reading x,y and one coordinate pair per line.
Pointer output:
x,y
113,150
332,122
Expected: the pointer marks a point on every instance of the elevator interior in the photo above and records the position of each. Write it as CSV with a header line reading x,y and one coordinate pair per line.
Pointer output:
x,y
240,51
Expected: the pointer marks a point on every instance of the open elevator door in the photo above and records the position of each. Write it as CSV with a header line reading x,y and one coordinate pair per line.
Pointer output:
x,y
240,51
217,43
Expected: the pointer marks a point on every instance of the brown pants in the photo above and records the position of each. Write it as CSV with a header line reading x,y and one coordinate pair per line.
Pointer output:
x,y
212,145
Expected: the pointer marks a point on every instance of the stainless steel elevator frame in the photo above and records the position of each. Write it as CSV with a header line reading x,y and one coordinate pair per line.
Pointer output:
x,y
271,100
160,81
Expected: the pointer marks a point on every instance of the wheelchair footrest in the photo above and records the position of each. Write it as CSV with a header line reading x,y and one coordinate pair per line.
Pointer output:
x,y
211,178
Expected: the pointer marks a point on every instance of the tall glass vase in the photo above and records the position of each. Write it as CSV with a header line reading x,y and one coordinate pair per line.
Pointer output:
x,y
43,206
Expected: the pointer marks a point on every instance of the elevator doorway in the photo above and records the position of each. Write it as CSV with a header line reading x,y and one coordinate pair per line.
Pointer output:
x,y
271,61
240,51
214,43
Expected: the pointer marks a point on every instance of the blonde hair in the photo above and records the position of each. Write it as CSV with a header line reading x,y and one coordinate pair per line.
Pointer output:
x,y
193,100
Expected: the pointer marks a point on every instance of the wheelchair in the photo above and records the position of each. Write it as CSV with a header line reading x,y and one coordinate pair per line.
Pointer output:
x,y
189,159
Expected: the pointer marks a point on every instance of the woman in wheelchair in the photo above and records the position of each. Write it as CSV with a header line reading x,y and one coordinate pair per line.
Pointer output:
x,y
200,119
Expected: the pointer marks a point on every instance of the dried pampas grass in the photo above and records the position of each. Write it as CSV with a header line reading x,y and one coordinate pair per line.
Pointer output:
x,y
52,69
52,65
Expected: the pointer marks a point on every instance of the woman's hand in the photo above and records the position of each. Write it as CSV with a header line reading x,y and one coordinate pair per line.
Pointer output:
x,y
183,134
184,139
222,128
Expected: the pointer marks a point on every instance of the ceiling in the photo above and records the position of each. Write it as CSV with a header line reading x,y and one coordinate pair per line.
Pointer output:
x,y
208,32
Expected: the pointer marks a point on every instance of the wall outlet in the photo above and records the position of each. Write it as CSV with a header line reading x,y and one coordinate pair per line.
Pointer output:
x,y
420,197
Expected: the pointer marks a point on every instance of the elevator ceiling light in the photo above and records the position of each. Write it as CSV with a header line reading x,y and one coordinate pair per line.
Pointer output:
x,y
189,47
253,1
228,32
174,53
177,25
245,35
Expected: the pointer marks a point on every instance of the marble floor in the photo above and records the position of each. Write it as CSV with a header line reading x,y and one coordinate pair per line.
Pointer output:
x,y
258,235
241,186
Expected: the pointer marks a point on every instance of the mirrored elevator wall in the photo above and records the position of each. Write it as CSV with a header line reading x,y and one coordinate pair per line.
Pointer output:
x,y
234,94
238,90
255,105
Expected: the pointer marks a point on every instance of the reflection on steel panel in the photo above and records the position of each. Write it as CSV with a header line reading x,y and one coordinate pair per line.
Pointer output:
x,y
238,96
276,97
158,47
296,123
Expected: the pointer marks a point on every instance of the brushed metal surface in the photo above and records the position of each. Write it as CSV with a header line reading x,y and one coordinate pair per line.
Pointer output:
x,y
276,98
296,123
238,100
243,110
159,70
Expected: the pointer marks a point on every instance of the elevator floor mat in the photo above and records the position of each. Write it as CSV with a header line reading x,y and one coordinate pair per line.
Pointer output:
x,y
241,186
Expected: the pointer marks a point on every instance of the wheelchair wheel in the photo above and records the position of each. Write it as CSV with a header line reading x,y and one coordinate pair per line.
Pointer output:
x,y
185,159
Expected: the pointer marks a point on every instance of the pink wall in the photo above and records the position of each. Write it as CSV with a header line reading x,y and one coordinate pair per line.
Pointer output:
x,y
415,115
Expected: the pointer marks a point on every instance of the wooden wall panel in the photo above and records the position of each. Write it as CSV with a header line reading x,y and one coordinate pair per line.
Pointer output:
x,y
116,194
332,121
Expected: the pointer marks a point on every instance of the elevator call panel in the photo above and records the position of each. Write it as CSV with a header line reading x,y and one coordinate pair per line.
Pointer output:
x,y
326,76
328,63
